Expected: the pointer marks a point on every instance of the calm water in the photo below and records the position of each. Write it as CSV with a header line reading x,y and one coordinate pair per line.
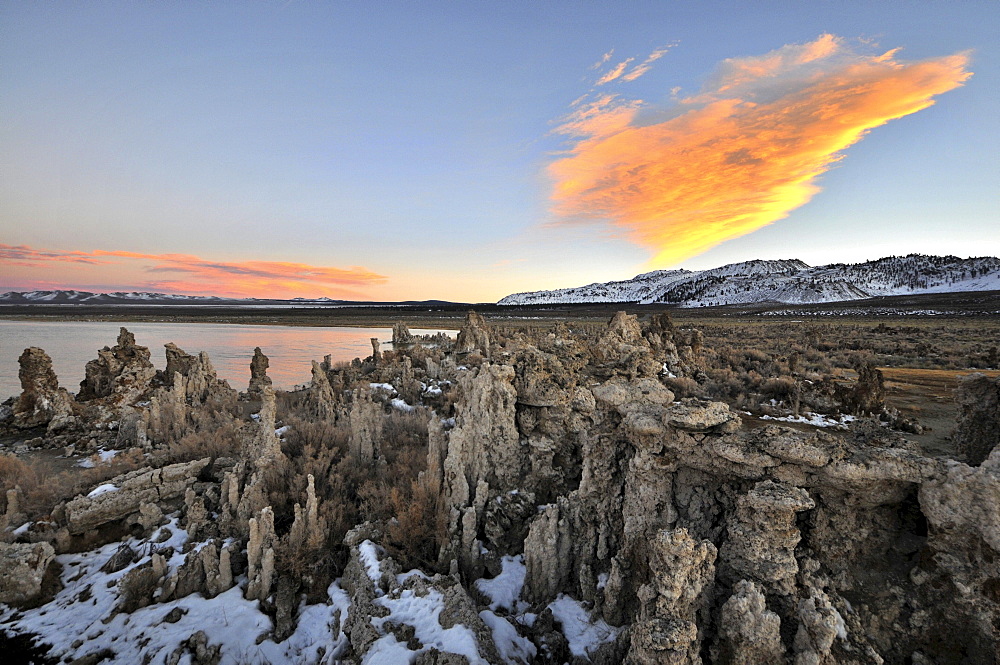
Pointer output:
x,y
289,349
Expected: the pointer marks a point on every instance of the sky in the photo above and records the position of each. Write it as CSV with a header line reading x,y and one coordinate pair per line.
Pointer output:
x,y
468,150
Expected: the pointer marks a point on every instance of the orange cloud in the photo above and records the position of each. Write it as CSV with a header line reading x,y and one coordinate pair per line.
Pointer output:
x,y
195,275
742,153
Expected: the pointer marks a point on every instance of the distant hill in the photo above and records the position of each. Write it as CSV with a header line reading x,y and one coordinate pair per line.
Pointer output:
x,y
166,299
786,281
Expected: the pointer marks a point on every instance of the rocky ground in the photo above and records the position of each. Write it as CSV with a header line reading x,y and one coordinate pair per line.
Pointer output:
x,y
565,494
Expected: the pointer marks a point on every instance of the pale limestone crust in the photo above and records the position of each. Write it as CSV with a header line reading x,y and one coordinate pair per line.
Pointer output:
x,y
366,427
474,336
978,431
122,371
23,567
134,489
762,536
749,633
258,373
42,401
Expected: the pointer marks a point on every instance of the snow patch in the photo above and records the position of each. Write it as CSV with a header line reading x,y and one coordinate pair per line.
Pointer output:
x,y
102,489
513,647
369,553
401,405
816,420
504,590
583,632
423,614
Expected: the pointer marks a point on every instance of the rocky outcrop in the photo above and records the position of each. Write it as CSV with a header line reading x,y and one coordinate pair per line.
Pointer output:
x,y
123,370
42,401
401,334
372,580
867,396
258,373
262,446
683,573
366,427
622,349
474,336
978,431
260,555
762,536
323,401
23,566
197,377
124,495
749,633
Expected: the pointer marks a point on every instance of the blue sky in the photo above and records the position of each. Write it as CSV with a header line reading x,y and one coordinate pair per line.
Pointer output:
x,y
414,141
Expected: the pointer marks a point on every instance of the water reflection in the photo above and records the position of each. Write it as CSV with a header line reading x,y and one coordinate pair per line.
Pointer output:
x,y
290,348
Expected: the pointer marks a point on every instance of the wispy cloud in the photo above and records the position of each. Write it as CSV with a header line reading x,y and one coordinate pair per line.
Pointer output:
x,y
199,275
603,60
615,72
743,152
647,64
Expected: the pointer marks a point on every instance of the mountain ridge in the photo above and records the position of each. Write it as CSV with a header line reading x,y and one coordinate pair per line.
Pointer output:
x,y
789,281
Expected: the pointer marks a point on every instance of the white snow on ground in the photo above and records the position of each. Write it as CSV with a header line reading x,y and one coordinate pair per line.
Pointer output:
x,y
504,590
513,647
815,419
102,455
369,557
23,529
102,489
401,405
423,613
281,431
387,650
583,632
84,610
387,387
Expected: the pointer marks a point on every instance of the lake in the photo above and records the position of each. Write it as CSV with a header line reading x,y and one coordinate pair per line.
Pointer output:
x,y
289,348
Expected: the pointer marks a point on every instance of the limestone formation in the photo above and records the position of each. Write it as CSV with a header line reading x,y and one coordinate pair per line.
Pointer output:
x,y
978,431
197,375
258,373
366,427
42,401
867,396
474,336
401,334
694,535
622,349
262,446
124,370
323,400
123,495
308,530
260,555
23,566
763,536
682,572
749,633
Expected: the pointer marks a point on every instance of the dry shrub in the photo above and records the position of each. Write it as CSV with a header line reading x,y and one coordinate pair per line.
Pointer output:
x,y
416,531
782,388
43,488
683,386
223,441
12,470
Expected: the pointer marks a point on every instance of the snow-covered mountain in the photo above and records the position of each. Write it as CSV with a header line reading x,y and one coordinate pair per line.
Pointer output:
x,y
89,298
791,281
